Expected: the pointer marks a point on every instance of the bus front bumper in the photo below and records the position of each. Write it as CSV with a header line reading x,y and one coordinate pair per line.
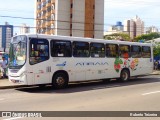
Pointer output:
x,y
18,79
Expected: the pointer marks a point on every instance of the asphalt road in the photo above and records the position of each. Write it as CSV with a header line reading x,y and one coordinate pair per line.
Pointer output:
x,y
138,94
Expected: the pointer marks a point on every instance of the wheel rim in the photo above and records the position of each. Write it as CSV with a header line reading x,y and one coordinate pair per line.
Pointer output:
x,y
124,76
60,81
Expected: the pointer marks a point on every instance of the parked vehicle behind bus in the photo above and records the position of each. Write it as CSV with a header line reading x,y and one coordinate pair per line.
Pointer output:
x,y
43,59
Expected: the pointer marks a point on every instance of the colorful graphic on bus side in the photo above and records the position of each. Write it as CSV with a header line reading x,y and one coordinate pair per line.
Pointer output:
x,y
127,63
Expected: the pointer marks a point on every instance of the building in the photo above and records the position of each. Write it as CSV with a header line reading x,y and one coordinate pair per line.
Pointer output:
x,y
24,29
151,29
118,28
134,27
6,32
139,26
129,28
79,18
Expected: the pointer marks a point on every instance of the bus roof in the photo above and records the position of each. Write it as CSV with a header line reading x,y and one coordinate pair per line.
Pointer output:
x,y
58,37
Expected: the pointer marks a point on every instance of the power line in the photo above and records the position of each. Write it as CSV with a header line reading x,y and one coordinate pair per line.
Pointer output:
x,y
79,11
56,20
73,29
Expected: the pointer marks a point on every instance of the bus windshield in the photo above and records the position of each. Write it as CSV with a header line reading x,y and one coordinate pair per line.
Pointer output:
x,y
17,52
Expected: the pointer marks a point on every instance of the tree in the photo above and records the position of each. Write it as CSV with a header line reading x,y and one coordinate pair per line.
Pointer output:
x,y
147,37
117,36
156,50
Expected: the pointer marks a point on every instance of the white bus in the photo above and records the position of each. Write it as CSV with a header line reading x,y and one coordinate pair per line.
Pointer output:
x,y
37,59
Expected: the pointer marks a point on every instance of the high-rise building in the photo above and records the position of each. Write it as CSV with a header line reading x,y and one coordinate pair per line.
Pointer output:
x,y
129,27
79,18
151,29
134,27
24,29
6,32
139,26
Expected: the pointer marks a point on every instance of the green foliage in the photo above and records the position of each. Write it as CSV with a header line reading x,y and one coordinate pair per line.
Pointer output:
x,y
117,36
147,37
156,50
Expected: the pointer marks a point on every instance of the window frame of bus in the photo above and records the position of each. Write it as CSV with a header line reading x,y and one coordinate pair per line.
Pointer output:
x,y
73,45
143,56
121,55
35,41
111,55
139,54
102,52
53,54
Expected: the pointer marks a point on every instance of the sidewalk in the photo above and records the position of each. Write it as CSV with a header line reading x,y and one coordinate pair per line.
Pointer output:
x,y
156,72
5,84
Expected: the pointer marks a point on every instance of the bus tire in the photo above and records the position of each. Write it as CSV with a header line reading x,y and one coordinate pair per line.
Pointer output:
x,y
125,75
60,80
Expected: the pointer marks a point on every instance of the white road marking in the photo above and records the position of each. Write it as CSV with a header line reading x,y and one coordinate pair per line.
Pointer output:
x,y
151,93
15,118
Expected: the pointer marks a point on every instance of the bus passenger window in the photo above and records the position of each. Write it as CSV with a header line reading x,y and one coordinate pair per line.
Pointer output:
x,y
97,50
61,48
146,52
81,49
124,51
135,51
111,50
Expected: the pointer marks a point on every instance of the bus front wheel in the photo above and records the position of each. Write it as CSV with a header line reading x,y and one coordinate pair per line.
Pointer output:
x,y
60,81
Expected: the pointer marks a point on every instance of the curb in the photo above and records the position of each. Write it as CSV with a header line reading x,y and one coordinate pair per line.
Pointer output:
x,y
155,74
12,86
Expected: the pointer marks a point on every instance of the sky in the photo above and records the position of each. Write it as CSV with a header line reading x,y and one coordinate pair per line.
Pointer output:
x,y
115,10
